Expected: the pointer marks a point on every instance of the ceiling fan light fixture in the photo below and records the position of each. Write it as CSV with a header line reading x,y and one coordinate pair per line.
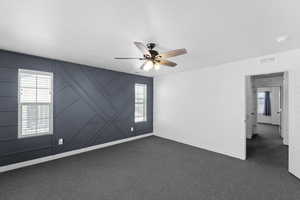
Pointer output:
x,y
156,66
148,66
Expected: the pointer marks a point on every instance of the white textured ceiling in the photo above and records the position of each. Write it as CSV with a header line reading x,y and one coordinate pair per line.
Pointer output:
x,y
92,32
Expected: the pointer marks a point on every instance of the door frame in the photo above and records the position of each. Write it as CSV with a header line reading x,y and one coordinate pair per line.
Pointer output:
x,y
286,114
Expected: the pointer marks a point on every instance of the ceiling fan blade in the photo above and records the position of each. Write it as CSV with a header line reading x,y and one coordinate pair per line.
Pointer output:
x,y
130,58
173,53
142,48
167,63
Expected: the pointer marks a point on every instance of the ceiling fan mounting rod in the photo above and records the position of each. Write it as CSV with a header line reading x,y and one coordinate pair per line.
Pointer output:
x,y
151,45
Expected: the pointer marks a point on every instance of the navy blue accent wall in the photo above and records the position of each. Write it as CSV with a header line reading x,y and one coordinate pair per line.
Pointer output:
x,y
91,106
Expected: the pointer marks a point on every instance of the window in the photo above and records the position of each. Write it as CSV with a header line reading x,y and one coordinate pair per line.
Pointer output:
x,y
264,103
140,114
35,104
260,102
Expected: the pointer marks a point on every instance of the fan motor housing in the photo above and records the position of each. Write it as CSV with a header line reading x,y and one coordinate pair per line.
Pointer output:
x,y
153,53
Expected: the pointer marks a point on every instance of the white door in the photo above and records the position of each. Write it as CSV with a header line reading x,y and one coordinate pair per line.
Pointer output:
x,y
294,122
250,115
285,109
275,101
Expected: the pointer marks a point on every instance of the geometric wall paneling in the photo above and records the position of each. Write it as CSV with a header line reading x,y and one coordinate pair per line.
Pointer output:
x,y
91,106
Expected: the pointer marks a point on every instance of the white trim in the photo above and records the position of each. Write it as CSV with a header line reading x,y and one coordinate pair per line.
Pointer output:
x,y
285,108
69,153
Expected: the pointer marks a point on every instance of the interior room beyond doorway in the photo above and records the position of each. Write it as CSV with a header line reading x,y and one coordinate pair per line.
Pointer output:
x,y
266,121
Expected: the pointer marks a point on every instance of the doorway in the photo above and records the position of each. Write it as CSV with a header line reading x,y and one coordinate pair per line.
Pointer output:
x,y
266,118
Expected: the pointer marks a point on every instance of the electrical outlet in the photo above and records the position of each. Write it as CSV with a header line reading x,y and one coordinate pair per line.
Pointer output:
x,y
131,129
60,141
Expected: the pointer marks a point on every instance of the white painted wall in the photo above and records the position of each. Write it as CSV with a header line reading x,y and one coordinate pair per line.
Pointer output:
x,y
206,107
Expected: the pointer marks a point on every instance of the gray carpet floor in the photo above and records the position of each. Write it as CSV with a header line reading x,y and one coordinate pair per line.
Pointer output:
x,y
158,169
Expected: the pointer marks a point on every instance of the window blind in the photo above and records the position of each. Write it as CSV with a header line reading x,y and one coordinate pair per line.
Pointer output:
x,y
35,103
140,113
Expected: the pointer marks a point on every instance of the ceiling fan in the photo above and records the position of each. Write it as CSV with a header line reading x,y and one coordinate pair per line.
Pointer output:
x,y
152,58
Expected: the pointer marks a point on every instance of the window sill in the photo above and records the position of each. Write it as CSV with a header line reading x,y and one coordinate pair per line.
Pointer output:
x,y
33,135
140,122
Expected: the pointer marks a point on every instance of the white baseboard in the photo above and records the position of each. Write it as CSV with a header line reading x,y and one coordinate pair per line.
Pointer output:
x,y
69,153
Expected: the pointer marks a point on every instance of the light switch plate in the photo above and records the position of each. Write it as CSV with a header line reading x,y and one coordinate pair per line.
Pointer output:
x,y
60,141
131,129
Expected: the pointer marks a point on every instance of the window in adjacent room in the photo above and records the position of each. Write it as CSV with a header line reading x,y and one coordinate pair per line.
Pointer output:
x,y
260,103
264,103
140,114
35,103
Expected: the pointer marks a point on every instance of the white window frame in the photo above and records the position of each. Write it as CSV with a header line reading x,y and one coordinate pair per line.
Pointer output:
x,y
20,135
144,103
